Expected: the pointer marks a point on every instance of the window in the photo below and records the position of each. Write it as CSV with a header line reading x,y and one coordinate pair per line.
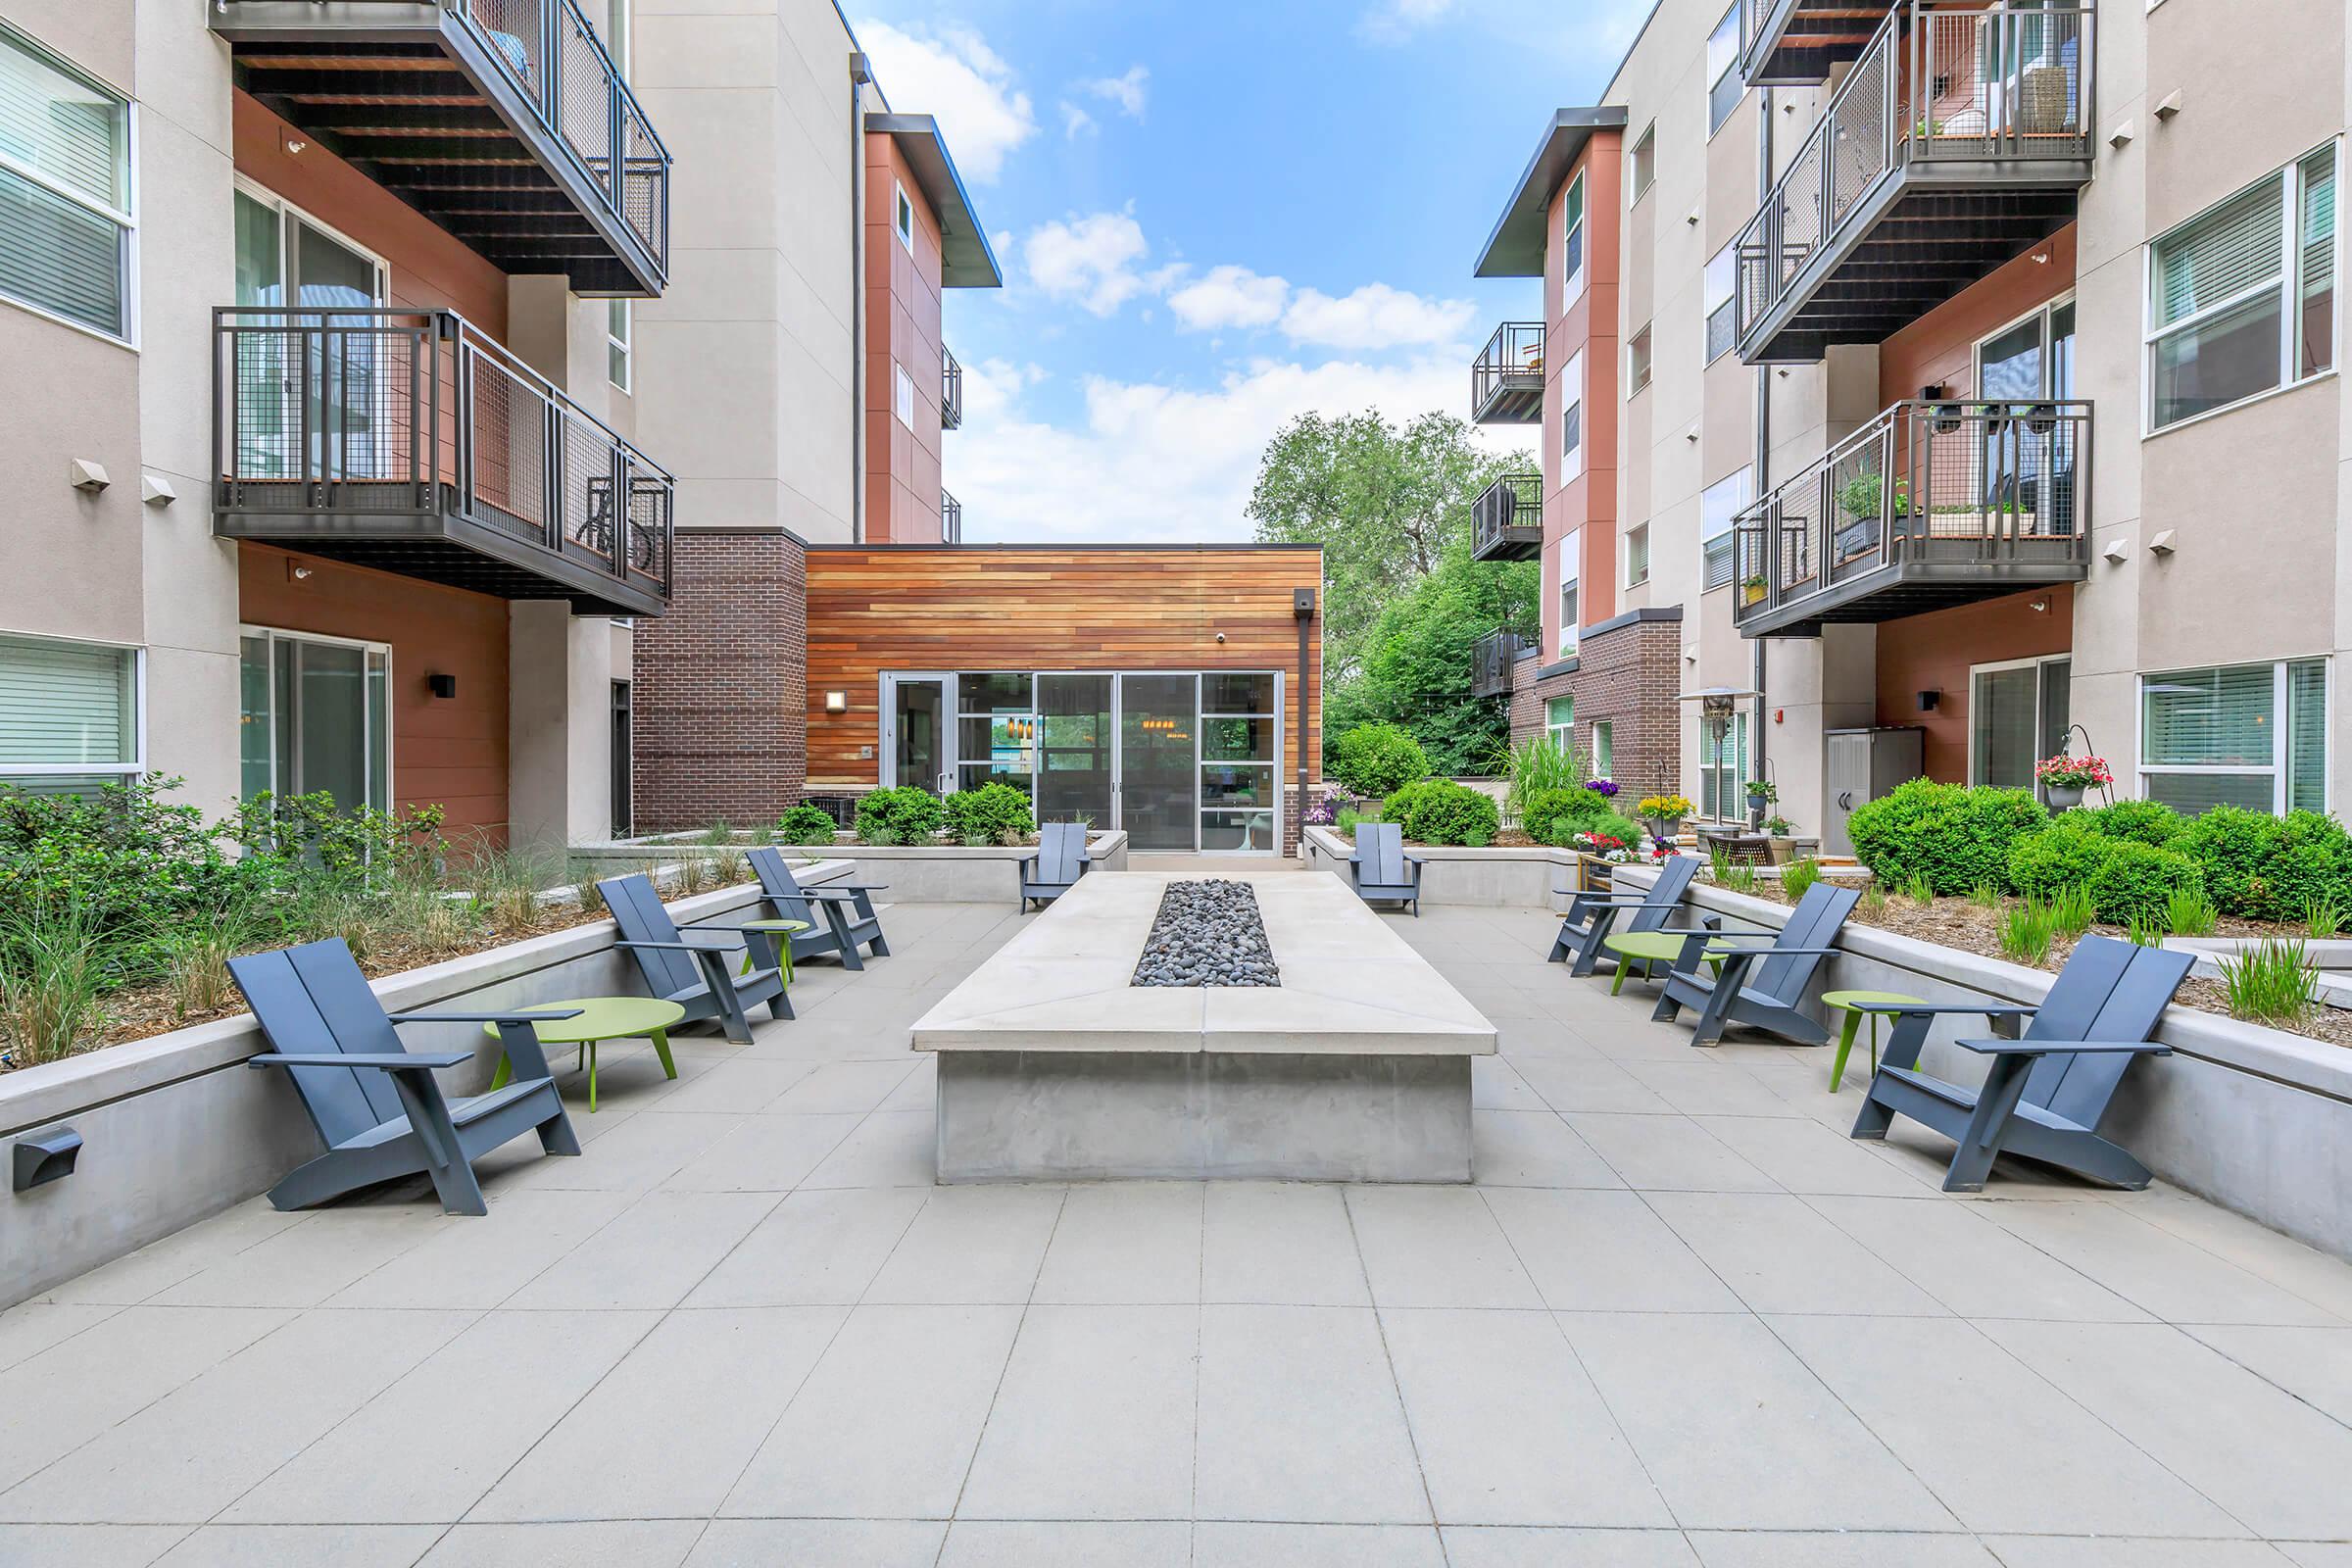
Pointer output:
x,y
1604,749
1572,416
65,227
617,32
315,716
1723,86
1570,551
902,215
2214,737
616,343
1719,506
70,717
2241,298
1637,555
995,731
1559,720
2018,713
1723,765
1723,324
1637,360
1645,162
1571,242
901,394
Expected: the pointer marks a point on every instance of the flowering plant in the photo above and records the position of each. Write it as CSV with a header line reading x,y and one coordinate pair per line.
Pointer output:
x,y
1602,787
1324,809
2064,772
1604,847
1665,806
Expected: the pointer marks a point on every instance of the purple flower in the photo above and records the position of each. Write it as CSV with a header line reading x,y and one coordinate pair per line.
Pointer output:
x,y
1601,786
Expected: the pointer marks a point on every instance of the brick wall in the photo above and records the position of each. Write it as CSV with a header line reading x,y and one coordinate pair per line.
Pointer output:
x,y
721,687
1628,674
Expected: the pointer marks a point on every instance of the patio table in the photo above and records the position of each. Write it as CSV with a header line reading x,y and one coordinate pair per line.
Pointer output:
x,y
1849,1003
774,928
1650,949
600,1018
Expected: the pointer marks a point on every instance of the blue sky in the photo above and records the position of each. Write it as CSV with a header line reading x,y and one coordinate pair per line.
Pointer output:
x,y
1213,217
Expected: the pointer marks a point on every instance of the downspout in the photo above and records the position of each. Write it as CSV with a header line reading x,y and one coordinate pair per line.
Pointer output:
x,y
1302,610
1763,463
860,74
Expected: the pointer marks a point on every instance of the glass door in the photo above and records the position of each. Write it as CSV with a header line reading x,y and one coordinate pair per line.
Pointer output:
x,y
917,745
1159,762
1074,749
316,719
2017,714
2029,458
284,258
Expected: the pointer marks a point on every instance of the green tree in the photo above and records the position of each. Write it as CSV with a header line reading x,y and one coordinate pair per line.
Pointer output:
x,y
1420,650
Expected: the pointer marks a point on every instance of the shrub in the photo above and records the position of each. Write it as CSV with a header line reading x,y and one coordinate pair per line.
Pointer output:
x,y
992,813
1953,836
1397,808
1345,823
2137,881
1557,816
1536,766
2269,867
804,825
2149,822
2062,855
1798,877
1610,825
1378,760
901,816
1441,812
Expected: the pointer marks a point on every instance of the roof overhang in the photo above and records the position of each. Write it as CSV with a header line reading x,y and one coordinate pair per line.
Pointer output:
x,y
1516,247
965,260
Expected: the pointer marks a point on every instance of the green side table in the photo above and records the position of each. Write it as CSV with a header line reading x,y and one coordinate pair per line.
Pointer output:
x,y
783,929
600,1018
1649,949
1845,1002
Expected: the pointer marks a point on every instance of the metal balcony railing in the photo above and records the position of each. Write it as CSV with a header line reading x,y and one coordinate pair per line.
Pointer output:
x,y
1506,381
1795,42
1949,98
1507,520
1928,504
1491,660
412,441
950,392
950,519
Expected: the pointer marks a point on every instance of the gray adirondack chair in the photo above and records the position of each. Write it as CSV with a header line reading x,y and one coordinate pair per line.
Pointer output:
x,y
1380,870
1592,915
1761,984
2045,1092
697,968
377,1106
839,915
1061,859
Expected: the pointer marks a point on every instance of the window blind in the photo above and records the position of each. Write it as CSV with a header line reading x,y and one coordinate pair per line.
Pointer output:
x,y
2232,249
1637,555
55,253
2307,735
60,258
67,704
68,130
2208,719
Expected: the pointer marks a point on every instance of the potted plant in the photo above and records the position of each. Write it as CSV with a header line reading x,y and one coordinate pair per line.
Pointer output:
x,y
1781,842
1752,590
1761,793
1664,813
1605,848
2064,778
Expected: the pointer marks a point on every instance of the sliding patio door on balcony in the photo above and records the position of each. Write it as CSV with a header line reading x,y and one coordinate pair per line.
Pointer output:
x,y
309,400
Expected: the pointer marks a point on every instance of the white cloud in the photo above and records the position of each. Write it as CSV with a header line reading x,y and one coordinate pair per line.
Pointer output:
x,y
950,74
1128,91
1147,461
1229,296
1075,122
1374,317
1090,260
1394,21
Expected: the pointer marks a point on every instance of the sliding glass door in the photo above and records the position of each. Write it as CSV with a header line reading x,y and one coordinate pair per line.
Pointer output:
x,y
1074,762
1160,770
317,718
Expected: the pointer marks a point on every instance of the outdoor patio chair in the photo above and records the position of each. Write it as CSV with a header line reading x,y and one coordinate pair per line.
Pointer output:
x,y
1592,915
1760,985
377,1105
839,915
2045,1092
1380,869
694,968
1061,859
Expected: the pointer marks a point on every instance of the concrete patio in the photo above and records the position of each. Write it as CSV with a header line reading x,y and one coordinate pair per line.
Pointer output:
x,y
1679,1319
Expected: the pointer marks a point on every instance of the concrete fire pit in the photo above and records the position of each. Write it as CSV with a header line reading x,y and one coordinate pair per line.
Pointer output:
x,y
1052,1064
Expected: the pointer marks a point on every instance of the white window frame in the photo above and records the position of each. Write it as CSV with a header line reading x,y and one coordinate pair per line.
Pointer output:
x,y
622,344
1577,228
278,634
123,771
902,215
616,32
285,209
1631,580
1728,780
2042,701
1560,734
1745,474
1603,760
2280,725
1728,255
1638,372
1643,161
1731,67
126,220
1572,401
1571,580
902,395
2046,311
2288,282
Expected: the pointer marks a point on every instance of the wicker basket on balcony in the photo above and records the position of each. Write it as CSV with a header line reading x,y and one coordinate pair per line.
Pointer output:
x,y
2042,100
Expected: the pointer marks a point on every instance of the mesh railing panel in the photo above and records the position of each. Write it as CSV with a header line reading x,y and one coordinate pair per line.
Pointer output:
x,y
517,41
651,498
316,405
643,181
509,430
584,88
591,520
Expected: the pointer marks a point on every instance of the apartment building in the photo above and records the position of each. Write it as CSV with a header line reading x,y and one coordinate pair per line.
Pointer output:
x,y
1937,385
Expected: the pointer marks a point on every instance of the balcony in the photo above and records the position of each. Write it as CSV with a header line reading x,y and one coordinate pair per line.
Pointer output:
x,y
1928,505
502,121
950,392
950,519
1793,43
1957,142
413,442
1491,660
1506,384
1507,520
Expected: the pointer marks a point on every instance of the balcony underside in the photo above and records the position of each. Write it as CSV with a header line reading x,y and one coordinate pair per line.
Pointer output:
x,y
1510,544
445,548
1910,588
1930,231
1798,42
416,98
1512,400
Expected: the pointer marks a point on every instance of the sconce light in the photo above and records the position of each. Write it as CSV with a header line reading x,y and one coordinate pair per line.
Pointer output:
x,y
1220,636
297,146
86,474
442,686
2039,606
837,702
297,572
1929,700
156,490
43,1157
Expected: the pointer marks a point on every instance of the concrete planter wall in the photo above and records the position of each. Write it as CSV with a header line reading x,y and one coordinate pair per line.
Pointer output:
x,y
1514,878
918,873
2255,1119
175,1127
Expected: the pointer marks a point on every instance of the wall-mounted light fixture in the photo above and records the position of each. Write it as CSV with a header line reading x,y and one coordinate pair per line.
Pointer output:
x,y
2039,606
296,146
1929,700
86,474
837,702
442,686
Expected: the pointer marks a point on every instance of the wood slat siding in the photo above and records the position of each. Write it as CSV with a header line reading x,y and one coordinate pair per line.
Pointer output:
x,y
1048,608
